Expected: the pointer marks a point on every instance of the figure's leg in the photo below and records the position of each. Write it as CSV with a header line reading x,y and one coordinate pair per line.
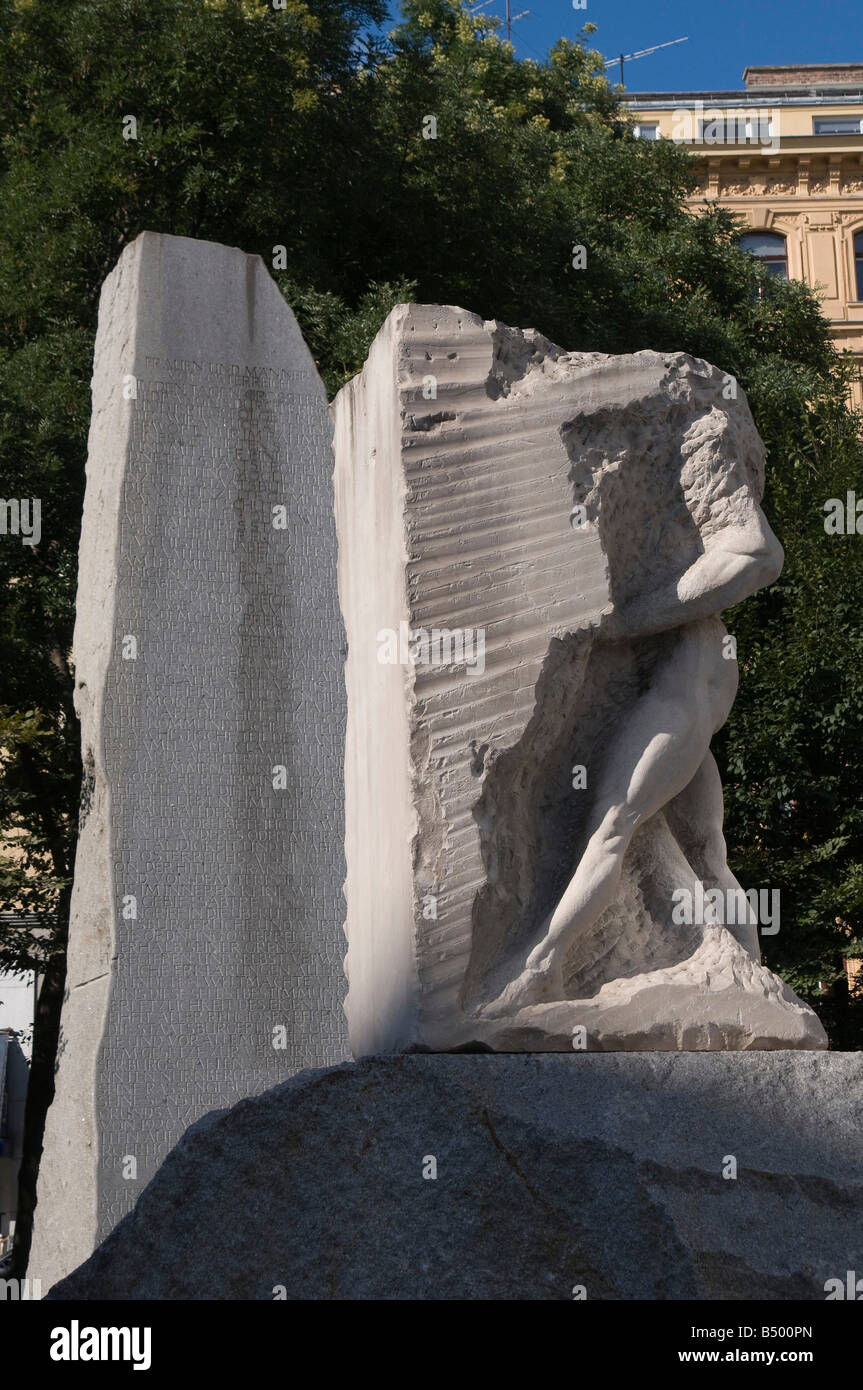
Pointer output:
x,y
652,756
648,765
695,819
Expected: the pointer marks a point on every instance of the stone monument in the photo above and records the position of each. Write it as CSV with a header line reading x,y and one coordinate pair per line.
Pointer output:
x,y
206,938
534,550
522,1177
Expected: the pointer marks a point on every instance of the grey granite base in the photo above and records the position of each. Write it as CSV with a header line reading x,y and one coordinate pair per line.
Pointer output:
x,y
554,1174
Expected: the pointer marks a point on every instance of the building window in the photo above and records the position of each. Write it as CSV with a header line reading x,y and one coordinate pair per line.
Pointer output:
x,y
647,132
735,130
837,125
858,262
769,247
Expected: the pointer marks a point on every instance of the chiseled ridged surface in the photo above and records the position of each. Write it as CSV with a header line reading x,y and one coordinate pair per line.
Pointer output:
x,y
464,531
490,546
483,501
462,450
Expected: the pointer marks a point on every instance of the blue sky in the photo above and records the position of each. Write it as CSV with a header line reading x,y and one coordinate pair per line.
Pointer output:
x,y
723,37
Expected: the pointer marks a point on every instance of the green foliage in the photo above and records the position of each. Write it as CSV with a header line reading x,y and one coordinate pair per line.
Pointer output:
x,y
36,874
794,782
241,120
305,128
337,334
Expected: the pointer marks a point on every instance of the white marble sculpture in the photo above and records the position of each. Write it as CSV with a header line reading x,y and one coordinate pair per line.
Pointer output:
x,y
534,550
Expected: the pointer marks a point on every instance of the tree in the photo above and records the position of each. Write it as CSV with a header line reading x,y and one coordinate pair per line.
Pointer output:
x,y
238,110
430,164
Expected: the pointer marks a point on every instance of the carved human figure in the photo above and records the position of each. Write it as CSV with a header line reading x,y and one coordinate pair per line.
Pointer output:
x,y
659,754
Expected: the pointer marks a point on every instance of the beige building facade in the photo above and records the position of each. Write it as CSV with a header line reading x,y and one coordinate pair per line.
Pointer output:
x,y
785,154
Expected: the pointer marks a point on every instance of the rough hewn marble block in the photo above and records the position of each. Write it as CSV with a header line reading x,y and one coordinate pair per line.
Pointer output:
x,y
534,549
208,901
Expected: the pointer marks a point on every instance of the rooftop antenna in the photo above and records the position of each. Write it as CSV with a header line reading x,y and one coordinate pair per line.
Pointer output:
x,y
510,20
628,57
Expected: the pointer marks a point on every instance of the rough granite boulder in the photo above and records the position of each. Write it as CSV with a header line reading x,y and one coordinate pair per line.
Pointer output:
x,y
525,1177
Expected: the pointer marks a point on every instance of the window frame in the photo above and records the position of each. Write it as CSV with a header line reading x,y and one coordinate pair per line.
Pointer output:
x,y
768,258
836,120
745,129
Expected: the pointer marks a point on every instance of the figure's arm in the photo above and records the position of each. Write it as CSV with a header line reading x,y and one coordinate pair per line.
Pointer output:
x,y
736,562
